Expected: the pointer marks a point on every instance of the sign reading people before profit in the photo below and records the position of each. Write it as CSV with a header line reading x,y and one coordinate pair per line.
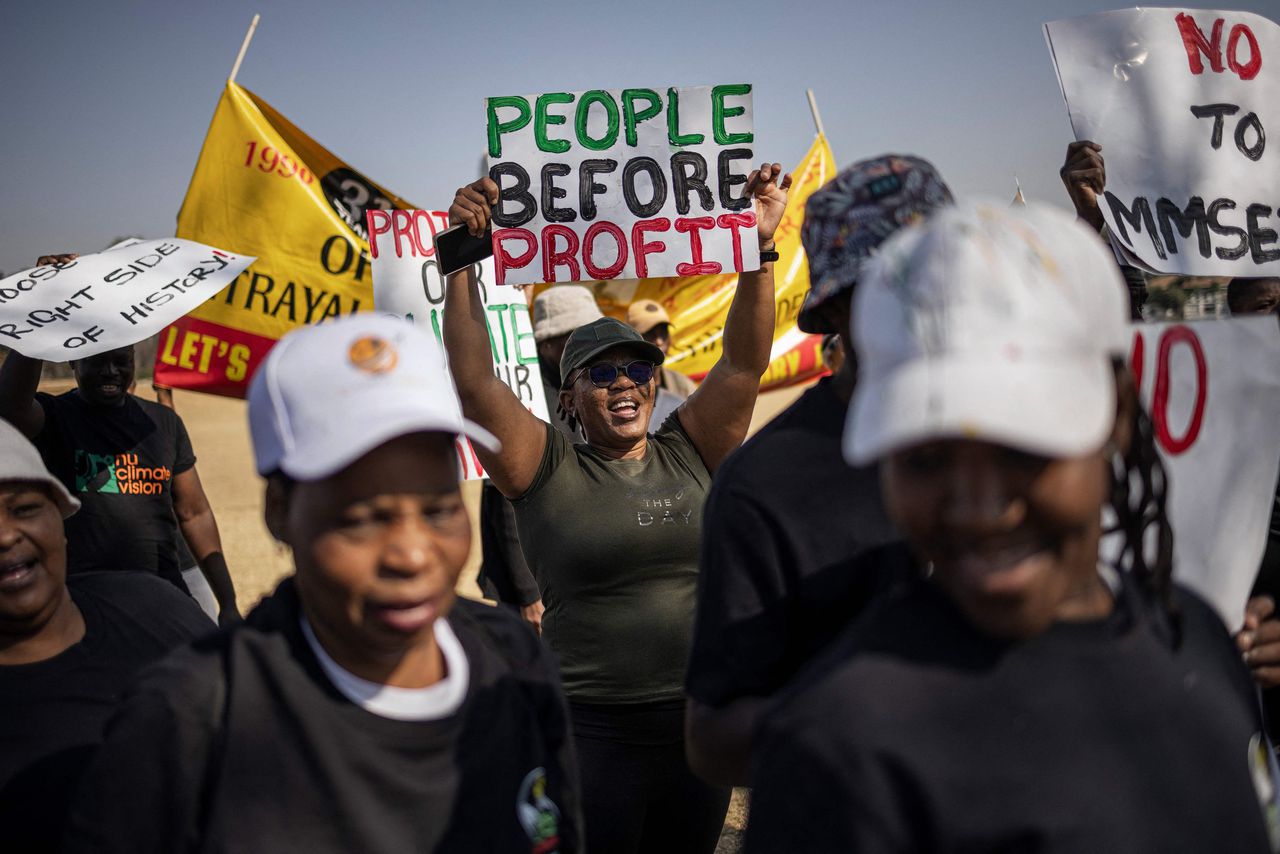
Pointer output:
x,y
1180,101
622,184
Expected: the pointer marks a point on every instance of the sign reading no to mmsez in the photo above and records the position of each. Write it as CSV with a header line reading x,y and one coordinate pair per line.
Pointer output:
x,y
622,183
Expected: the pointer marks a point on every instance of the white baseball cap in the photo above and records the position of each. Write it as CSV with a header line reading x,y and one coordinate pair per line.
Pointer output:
x,y
561,309
20,461
988,322
326,395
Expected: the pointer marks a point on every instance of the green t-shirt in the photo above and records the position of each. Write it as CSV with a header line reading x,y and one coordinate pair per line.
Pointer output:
x,y
614,547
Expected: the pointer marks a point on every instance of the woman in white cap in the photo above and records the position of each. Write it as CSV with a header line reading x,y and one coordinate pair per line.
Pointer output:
x,y
1016,692
611,528
362,706
68,647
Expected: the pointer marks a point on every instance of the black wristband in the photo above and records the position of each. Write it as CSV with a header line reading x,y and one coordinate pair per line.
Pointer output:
x,y
770,255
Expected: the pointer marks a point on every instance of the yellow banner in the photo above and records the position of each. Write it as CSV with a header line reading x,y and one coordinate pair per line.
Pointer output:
x,y
263,187
699,305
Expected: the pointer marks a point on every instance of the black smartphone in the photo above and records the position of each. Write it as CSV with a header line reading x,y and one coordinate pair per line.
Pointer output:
x,y
456,249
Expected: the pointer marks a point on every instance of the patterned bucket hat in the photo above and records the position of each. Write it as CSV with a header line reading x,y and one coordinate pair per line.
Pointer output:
x,y
848,218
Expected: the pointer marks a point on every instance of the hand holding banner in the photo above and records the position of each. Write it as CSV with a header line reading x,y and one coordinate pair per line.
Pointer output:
x,y
1179,101
101,302
622,183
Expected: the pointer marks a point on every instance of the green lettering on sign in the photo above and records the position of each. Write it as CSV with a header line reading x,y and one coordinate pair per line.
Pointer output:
x,y
719,112
673,122
541,119
631,118
597,96
497,128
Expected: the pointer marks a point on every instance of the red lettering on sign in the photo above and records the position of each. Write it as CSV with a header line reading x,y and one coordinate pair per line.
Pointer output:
x,y
553,257
733,221
640,249
402,227
379,222
1250,69
1160,394
1195,43
504,260
692,226
588,250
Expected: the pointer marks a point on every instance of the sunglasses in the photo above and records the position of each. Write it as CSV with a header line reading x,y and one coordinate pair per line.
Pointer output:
x,y
603,374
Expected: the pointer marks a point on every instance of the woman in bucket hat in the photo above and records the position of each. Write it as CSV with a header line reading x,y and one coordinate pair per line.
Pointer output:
x,y
362,706
611,528
1016,692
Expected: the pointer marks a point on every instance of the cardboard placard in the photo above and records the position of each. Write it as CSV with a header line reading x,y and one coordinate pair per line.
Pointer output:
x,y
408,284
622,184
1180,101
112,299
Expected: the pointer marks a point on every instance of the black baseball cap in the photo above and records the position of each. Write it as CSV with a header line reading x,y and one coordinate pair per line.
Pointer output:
x,y
587,342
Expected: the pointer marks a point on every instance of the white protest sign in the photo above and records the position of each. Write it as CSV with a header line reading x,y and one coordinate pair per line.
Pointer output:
x,y
119,297
407,283
1213,391
1180,101
622,184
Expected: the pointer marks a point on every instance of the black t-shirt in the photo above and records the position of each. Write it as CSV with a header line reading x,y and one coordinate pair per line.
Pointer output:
x,y
120,462
915,733
240,743
786,559
52,712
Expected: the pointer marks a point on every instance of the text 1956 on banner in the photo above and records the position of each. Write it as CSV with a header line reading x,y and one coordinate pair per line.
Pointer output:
x,y
100,302
622,184
1180,101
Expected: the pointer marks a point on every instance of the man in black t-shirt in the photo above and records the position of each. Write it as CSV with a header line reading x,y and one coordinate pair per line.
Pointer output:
x,y
791,531
68,648
130,463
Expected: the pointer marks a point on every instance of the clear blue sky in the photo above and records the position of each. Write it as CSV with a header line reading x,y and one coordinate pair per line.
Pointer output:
x,y
105,105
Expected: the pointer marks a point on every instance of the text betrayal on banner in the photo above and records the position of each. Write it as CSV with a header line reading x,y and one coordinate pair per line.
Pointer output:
x,y
622,184
407,283
100,302
1181,101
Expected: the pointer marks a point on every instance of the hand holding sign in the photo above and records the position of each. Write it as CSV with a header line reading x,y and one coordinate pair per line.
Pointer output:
x,y
1181,100
72,307
621,184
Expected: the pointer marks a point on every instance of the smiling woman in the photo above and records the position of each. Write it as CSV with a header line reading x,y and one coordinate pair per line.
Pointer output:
x,y
1011,662
611,529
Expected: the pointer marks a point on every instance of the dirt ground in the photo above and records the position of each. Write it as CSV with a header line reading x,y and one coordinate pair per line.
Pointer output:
x,y
219,432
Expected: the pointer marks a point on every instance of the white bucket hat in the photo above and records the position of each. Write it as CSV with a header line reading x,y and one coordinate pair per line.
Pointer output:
x,y
992,323
561,309
327,395
20,461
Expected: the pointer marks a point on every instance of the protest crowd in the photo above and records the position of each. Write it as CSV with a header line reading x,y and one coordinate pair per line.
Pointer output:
x,y
947,600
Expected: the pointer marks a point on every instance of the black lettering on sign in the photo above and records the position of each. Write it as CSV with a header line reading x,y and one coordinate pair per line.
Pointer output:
x,y
1253,152
589,187
657,179
1139,218
727,179
1193,218
1216,112
689,174
1259,235
1227,253
517,192
550,193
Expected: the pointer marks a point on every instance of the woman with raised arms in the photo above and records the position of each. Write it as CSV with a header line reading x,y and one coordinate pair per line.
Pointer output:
x,y
611,529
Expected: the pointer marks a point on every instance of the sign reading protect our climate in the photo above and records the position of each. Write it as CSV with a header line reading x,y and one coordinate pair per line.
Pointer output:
x,y
622,184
